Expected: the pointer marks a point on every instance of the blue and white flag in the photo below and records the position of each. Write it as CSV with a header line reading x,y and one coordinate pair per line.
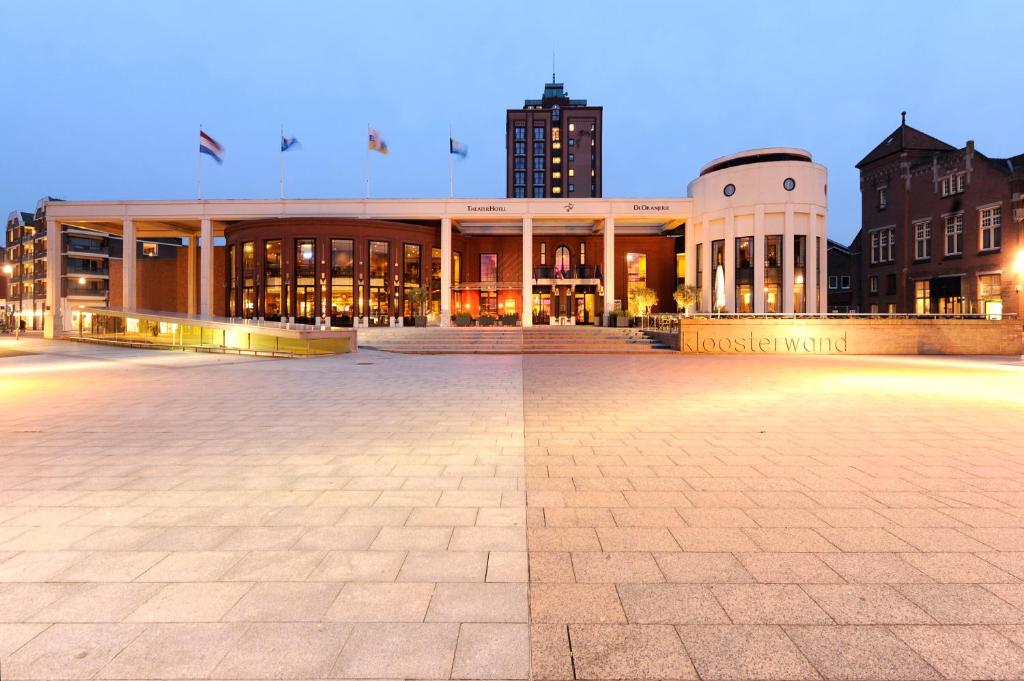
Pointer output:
x,y
208,145
458,148
288,142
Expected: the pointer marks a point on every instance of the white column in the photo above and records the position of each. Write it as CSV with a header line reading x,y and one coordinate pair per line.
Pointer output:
x,y
527,271
446,271
810,271
730,261
708,277
53,317
759,254
609,267
128,265
206,268
690,246
190,306
788,262
819,229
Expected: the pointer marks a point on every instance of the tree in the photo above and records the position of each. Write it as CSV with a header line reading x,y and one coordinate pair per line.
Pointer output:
x,y
418,298
685,296
641,300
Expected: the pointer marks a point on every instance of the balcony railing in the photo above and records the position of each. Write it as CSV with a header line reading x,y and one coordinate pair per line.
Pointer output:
x,y
98,272
86,291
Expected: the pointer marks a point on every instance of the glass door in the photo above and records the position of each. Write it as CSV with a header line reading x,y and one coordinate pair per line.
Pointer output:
x,y
584,308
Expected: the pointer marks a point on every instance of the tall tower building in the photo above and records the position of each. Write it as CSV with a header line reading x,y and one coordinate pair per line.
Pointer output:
x,y
553,147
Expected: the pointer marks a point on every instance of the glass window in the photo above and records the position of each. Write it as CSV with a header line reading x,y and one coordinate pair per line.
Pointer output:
x,y
538,133
538,163
520,148
955,234
744,275
520,163
411,271
272,303
342,257
563,262
583,253
883,198
990,295
922,240
456,268
799,267
489,267
873,284
922,297
538,191
833,282
538,148
248,259
232,281
636,275
305,258
520,132
991,228
520,177
543,253
520,192
272,258
379,256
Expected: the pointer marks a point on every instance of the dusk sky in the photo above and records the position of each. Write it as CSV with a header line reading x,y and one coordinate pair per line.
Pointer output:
x,y
103,99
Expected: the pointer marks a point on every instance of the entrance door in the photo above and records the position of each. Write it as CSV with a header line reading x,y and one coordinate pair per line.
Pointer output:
x,y
305,304
584,308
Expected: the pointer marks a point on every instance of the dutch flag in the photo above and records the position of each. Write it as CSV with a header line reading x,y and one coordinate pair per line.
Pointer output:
x,y
208,145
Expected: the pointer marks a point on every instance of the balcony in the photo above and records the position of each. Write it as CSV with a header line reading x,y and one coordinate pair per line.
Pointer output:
x,y
75,270
76,291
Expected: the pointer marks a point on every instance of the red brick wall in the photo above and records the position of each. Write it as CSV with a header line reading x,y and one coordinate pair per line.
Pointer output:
x,y
162,284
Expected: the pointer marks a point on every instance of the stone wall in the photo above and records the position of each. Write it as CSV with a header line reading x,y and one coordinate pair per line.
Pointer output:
x,y
846,336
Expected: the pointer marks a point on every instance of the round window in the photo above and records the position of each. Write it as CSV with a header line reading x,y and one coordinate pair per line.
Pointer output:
x,y
789,184
729,190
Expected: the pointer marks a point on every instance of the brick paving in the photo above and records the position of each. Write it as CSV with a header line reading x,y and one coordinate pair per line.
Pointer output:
x,y
547,517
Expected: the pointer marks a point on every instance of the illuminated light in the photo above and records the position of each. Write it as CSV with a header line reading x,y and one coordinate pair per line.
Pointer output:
x,y
1018,262
800,279
8,270
132,324
81,281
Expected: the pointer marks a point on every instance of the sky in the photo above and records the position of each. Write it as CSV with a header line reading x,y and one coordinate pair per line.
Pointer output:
x,y
103,99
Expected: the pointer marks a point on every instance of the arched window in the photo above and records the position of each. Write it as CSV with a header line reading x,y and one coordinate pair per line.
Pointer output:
x,y
562,263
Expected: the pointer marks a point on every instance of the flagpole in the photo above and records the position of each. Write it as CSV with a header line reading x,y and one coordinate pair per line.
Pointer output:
x,y
367,160
199,166
281,145
451,175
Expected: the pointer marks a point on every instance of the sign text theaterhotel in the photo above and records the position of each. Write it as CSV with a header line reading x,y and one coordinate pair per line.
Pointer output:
x,y
749,237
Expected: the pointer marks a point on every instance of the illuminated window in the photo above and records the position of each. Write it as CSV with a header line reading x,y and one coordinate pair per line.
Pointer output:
x,y
543,253
305,258
636,274
556,160
556,175
922,297
556,190
990,295
572,172
556,134
556,145
248,259
572,127
272,258
563,262
149,250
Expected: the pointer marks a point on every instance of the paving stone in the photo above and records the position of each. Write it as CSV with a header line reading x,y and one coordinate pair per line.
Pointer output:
x,y
492,651
702,568
962,652
284,651
670,604
768,604
191,602
851,653
619,651
788,568
626,566
70,651
444,566
866,604
744,652
398,651
962,604
476,602
174,651
284,602
564,603
381,602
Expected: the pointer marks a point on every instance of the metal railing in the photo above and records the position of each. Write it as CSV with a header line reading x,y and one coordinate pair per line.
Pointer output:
x,y
669,321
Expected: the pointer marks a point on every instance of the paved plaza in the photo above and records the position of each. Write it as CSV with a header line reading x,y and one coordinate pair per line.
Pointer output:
x,y
382,516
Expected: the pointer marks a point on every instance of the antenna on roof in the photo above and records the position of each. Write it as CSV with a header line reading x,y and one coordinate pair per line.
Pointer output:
x,y
552,66
904,115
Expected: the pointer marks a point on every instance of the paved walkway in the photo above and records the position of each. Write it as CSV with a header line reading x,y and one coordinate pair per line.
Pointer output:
x,y
366,516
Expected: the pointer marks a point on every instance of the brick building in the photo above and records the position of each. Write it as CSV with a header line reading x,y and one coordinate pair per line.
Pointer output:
x,y
843,264
553,147
941,228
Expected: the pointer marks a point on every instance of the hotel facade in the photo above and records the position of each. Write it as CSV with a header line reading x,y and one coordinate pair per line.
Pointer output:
x,y
750,237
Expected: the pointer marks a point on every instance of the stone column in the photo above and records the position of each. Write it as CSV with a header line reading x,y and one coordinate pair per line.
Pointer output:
x,y
730,261
206,268
810,271
128,265
191,288
527,316
609,267
759,259
788,262
53,318
446,271
708,277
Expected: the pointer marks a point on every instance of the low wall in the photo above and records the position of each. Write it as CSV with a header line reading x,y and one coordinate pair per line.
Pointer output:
x,y
849,336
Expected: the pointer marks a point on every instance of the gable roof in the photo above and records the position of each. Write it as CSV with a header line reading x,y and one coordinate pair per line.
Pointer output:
x,y
904,138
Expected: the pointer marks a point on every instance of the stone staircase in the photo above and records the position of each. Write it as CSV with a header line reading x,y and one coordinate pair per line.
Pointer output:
x,y
568,340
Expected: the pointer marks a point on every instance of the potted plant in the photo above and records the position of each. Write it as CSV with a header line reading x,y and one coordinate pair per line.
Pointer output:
x,y
619,318
418,299
463,319
685,297
510,319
